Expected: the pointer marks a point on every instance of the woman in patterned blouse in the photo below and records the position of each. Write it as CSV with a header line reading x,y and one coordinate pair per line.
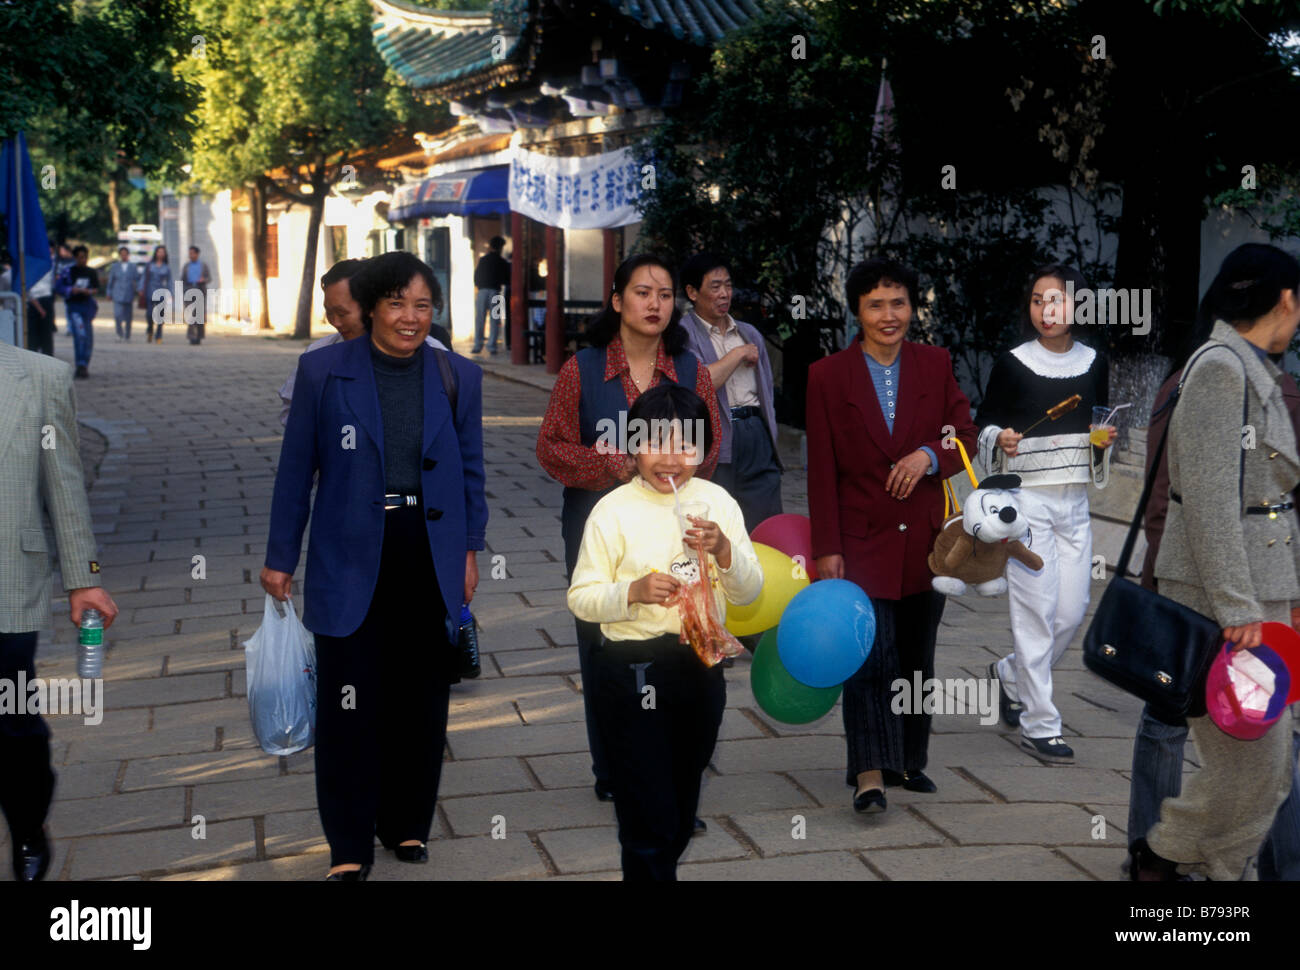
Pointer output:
x,y
637,341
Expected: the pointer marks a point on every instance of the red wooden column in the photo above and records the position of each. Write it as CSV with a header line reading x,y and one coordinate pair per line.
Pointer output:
x,y
554,302
611,260
518,290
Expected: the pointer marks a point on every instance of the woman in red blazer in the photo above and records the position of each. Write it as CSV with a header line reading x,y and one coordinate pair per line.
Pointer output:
x,y
878,414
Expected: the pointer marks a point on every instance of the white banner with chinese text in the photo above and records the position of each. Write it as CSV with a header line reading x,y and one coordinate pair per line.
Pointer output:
x,y
592,192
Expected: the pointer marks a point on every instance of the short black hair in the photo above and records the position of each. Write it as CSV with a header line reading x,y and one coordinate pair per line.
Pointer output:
x,y
77,250
605,326
701,265
344,269
1250,282
496,243
870,273
389,275
195,249
124,249
667,402
1067,275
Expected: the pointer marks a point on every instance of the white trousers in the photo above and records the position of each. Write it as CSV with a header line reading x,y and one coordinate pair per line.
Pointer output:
x,y
1047,606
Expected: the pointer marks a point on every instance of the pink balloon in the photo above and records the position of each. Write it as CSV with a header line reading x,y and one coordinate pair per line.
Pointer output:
x,y
791,534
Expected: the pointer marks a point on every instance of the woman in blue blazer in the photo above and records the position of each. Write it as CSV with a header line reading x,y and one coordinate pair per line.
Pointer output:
x,y
400,510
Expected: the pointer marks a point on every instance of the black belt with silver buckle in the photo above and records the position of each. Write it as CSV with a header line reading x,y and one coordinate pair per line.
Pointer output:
x,y
1264,509
400,501
748,411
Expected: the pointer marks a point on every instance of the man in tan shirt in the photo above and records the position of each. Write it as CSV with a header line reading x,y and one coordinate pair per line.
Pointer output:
x,y
736,356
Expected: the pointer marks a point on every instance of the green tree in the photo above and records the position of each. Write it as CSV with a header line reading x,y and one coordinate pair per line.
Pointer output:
x,y
92,82
294,94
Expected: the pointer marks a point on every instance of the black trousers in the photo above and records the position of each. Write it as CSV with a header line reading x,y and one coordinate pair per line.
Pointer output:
x,y
879,739
658,744
752,477
381,712
26,779
40,329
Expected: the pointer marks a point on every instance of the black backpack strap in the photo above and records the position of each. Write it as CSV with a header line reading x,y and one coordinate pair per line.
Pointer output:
x,y
448,378
1121,568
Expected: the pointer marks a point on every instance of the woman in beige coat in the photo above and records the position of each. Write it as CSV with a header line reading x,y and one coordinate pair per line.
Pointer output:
x,y
1235,560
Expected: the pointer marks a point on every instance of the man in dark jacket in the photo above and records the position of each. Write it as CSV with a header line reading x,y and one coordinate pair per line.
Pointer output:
x,y
490,279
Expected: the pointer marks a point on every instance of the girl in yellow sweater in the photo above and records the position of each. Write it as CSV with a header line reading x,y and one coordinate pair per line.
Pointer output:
x,y
659,707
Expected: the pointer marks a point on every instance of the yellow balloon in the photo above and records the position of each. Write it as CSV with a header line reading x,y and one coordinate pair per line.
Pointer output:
x,y
782,579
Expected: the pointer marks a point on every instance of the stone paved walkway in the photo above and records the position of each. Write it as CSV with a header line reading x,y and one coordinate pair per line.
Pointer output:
x,y
192,442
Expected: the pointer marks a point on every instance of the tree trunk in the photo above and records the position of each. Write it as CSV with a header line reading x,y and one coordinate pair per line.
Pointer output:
x,y
113,210
261,188
307,286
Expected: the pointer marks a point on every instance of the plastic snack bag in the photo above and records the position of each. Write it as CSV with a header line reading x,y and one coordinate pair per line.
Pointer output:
x,y
701,625
281,662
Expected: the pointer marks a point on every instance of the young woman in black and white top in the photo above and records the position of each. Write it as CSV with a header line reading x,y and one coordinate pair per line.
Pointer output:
x,y
1055,461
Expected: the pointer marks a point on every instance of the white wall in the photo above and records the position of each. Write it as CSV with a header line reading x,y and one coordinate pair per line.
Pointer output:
x,y
584,264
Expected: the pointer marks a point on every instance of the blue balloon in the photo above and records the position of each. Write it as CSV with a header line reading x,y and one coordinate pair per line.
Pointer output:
x,y
826,633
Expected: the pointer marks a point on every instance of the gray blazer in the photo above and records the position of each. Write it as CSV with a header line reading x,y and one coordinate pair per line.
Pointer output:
x,y
1239,561
39,465
123,280
702,347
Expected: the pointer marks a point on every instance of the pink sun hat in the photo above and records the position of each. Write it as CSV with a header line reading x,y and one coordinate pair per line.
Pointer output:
x,y
1246,691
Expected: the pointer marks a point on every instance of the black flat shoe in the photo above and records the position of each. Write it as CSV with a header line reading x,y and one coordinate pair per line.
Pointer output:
x,y
869,802
603,792
351,875
917,781
892,779
699,828
411,853
32,859
1008,710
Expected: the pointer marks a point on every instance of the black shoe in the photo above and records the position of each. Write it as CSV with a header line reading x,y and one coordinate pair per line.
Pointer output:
x,y
604,792
699,828
1008,709
1052,751
869,802
32,858
351,875
917,781
411,853
1146,866
81,371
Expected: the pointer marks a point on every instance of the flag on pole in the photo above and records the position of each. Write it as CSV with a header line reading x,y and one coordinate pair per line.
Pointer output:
x,y
20,207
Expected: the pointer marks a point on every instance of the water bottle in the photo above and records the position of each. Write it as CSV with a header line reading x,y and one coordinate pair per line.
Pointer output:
x,y
467,641
90,645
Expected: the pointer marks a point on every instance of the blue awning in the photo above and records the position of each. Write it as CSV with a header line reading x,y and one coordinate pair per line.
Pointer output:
x,y
484,192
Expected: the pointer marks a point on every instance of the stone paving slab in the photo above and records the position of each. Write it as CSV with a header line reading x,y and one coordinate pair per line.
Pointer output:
x,y
823,829
829,866
168,850
964,863
596,850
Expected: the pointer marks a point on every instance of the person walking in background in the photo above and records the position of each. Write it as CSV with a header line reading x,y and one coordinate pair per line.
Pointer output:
x,y
1055,464
63,261
344,314
196,277
123,281
79,285
40,321
36,401
879,412
1238,568
736,355
637,342
491,277
397,515
156,286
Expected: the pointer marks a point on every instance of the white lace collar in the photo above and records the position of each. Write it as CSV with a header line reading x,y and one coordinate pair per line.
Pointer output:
x,y
1044,363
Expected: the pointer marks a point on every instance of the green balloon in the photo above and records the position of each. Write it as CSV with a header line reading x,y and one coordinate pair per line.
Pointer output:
x,y
780,695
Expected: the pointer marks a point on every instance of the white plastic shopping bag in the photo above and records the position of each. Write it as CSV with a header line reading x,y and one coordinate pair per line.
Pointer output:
x,y
281,662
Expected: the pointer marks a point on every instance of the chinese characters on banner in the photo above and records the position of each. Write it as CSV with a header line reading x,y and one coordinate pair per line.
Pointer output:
x,y
595,192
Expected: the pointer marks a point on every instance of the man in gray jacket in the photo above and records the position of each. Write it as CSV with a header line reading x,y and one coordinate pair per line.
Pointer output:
x,y
736,356
39,466
123,278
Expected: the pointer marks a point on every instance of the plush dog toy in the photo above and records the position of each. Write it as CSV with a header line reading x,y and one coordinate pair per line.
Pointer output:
x,y
973,548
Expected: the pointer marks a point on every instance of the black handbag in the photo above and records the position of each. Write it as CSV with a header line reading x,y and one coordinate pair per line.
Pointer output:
x,y
1144,643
